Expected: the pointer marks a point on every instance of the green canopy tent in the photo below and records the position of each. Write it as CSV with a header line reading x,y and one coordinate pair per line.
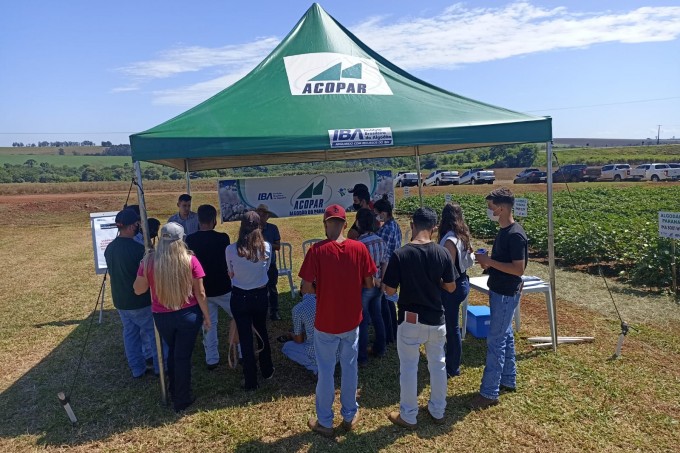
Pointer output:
x,y
322,94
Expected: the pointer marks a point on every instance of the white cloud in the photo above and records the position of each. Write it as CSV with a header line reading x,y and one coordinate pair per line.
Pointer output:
x,y
459,35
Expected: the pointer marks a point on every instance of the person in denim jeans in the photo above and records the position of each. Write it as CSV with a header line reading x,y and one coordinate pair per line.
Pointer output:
x,y
248,261
454,236
371,298
336,269
178,303
391,234
122,256
505,267
421,269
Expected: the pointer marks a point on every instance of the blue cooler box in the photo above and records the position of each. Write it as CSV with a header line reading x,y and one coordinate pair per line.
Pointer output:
x,y
478,320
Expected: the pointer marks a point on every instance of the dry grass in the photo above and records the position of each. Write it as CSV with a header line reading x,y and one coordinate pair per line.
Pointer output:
x,y
575,400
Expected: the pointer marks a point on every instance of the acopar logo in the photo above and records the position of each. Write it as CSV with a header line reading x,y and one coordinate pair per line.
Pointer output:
x,y
328,73
312,196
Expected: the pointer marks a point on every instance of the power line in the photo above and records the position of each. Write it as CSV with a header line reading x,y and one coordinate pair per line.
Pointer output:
x,y
604,105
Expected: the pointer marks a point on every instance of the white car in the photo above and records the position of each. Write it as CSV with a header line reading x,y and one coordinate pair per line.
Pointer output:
x,y
478,176
617,172
442,177
655,172
406,179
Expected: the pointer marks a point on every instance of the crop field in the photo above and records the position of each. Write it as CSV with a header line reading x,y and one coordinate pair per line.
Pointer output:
x,y
574,400
70,161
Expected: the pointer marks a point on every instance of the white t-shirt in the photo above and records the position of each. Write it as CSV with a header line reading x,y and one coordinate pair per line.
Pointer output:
x,y
248,275
465,258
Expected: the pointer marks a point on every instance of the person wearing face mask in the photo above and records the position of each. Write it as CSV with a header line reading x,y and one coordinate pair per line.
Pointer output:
x,y
361,198
505,266
122,256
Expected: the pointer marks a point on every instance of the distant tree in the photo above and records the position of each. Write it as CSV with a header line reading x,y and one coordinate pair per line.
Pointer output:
x,y
30,163
107,144
86,143
428,162
61,151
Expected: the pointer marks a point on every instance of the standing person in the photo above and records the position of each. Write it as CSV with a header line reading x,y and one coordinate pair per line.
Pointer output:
x,y
421,268
185,217
122,256
248,263
210,247
391,234
175,277
339,268
454,236
371,297
271,234
361,199
506,265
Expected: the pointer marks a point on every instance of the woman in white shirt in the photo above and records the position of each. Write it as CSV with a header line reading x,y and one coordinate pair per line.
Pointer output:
x,y
248,262
454,235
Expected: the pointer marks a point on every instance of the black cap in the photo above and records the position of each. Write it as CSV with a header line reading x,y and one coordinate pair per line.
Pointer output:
x,y
359,188
126,217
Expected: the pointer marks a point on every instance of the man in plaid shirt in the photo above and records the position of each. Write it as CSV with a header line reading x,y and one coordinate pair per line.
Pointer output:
x,y
301,348
371,297
391,234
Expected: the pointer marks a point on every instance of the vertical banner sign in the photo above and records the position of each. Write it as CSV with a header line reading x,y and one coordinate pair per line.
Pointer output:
x,y
407,192
290,196
104,230
669,225
521,207
447,198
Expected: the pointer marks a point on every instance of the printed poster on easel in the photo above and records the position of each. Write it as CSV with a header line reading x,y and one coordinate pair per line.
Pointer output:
x,y
104,230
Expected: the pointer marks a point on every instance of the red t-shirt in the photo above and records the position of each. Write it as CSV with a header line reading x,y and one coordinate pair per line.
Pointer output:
x,y
156,306
339,270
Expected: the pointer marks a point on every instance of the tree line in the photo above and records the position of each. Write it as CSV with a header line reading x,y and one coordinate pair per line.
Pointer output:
x,y
32,171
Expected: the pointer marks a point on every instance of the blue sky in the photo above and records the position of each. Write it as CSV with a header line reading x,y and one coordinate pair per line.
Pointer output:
x,y
87,70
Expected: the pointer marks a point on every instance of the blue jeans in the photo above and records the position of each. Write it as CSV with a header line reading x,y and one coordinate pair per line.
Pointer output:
x,y
297,352
210,341
371,301
250,311
454,345
138,332
389,314
179,329
409,338
500,343
326,346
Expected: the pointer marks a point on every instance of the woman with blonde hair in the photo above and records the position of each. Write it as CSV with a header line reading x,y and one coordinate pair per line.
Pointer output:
x,y
454,235
248,261
178,304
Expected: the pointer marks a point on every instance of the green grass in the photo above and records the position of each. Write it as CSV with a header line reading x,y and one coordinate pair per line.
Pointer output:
x,y
71,161
624,154
575,400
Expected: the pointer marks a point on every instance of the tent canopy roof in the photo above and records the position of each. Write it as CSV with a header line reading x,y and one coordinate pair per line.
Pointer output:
x,y
318,80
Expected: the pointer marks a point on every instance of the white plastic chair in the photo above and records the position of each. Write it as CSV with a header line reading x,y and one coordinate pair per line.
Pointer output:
x,y
306,245
284,260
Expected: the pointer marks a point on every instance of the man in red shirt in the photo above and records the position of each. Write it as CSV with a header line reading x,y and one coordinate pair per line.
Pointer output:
x,y
336,269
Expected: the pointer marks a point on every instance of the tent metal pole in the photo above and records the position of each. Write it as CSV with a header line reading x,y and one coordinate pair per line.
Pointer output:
x,y
147,247
420,186
186,174
551,242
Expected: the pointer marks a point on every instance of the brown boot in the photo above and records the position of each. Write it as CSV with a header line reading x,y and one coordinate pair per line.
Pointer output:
x,y
480,402
395,417
314,425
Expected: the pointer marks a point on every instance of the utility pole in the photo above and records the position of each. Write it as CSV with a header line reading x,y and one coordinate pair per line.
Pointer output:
x,y
658,134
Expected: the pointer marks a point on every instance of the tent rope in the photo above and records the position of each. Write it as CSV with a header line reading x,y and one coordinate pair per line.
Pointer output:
x,y
100,296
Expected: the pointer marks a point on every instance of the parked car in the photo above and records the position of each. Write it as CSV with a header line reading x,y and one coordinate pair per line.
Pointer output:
x,y
478,176
531,176
674,172
442,177
656,172
617,172
576,173
404,179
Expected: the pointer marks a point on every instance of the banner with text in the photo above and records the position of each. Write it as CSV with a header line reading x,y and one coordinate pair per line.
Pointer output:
x,y
104,230
290,196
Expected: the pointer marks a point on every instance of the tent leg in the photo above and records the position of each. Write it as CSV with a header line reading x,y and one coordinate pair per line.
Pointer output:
x,y
186,174
420,186
551,243
147,246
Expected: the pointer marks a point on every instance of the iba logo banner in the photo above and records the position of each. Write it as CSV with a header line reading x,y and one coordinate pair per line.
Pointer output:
x,y
314,74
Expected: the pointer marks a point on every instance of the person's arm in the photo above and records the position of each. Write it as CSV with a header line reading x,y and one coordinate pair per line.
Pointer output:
x,y
307,287
391,278
516,267
199,294
368,282
389,290
448,281
448,287
141,284
276,243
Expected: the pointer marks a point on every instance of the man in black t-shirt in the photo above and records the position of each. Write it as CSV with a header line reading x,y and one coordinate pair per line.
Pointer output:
x,y
505,267
421,268
209,247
